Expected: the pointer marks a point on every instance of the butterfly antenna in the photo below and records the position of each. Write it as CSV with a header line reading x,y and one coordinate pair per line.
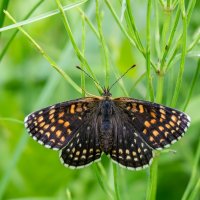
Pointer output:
x,y
89,76
122,75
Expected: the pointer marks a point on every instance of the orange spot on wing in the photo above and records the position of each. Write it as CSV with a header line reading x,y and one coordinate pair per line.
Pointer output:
x,y
151,139
46,126
61,114
168,126
60,121
172,123
141,108
153,114
66,124
155,133
174,118
41,118
72,111
58,133
161,128
145,131
147,124
153,121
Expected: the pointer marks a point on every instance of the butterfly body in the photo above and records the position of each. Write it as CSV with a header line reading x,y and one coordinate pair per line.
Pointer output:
x,y
126,129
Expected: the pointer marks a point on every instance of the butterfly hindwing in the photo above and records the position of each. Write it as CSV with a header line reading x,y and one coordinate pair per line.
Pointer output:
x,y
55,125
158,125
129,150
83,149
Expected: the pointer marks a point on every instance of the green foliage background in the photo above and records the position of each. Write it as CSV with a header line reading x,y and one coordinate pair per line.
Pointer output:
x,y
29,81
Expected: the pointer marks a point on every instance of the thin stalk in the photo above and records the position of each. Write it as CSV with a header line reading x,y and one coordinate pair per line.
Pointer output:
x,y
11,120
102,180
195,192
157,31
148,36
171,37
184,50
194,175
179,38
89,23
119,22
16,31
103,43
44,54
132,21
165,30
4,5
83,52
196,74
136,82
40,17
75,46
152,182
116,181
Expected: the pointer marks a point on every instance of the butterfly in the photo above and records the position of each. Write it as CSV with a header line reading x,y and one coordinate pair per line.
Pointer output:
x,y
126,129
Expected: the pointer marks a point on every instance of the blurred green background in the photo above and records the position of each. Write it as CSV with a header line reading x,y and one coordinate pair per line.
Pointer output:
x,y
28,83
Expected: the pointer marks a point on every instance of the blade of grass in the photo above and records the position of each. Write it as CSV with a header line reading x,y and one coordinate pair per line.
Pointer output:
x,y
48,58
15,33
184,49
103,43
43,16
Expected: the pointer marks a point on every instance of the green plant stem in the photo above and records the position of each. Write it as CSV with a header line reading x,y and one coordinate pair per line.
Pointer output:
x,y
116,185
195,192
4,5
40,17
196,74
194,175
152,182
157,30
83,52
132,21
184,49
102,180
148,36
49,59
103,43
132,42
169,43
75,46
15,33
11,120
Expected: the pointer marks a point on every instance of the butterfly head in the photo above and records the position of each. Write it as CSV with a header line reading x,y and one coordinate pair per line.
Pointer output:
x,y
106,92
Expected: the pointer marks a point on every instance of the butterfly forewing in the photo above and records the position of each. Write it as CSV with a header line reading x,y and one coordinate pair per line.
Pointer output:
x,y
158,125
56,125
